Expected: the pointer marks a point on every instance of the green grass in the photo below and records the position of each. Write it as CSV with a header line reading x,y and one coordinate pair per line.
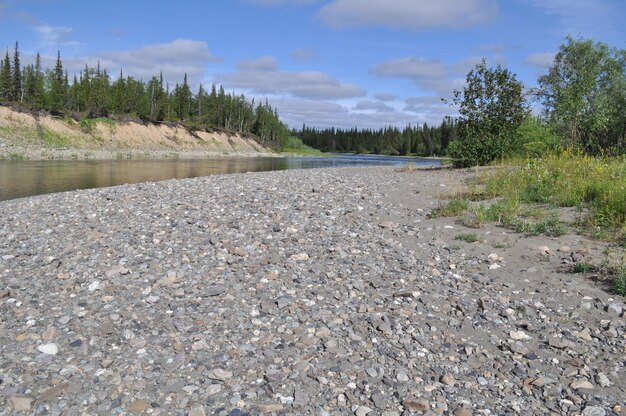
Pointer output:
x,y
595,185
451,209
88,124
583,267
550,226
467,237
619,284
54,139
294,146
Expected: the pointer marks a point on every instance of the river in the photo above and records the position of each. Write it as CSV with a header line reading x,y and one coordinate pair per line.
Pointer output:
x,y
27,178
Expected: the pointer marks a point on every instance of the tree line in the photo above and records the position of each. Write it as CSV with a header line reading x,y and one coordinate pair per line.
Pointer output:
x,y
417,140
92,93
583,100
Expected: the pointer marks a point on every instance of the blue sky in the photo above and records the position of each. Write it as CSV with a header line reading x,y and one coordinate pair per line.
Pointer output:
x,y
344,63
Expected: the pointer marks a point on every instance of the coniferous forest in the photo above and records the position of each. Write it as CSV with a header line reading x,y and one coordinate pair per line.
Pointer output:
x,y
92,94
422,140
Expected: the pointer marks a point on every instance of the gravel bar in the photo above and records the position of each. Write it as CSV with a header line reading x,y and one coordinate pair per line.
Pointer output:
x,y
321,292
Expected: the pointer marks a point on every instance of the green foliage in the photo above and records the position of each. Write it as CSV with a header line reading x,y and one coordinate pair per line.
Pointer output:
x,y
584,94
451,209
467,237
582,267
535,138
54,139
492,108
619,284
93,95
570,180
552,227
419,139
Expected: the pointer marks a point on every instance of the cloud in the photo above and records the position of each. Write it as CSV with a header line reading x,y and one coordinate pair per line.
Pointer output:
x,y
413,15
303,54
262,76
431,75
383,96
540,59
427,74
173,58
55,35
376,106
295,112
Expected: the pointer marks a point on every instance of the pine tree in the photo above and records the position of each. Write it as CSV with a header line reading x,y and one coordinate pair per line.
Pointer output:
x,y
6,81
17,94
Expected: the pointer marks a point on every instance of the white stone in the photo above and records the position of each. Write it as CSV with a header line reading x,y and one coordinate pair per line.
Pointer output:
x,y
50,349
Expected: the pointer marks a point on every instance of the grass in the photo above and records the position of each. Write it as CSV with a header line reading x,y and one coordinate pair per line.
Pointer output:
x,y
594,185
619,284
451,209
88,124
294,146
55,139
467,237
583,267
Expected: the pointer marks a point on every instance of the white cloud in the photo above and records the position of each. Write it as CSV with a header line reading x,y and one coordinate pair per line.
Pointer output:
x,y
408,14
262,76
540,59
173,58
54,35
295,112
375,106
431,75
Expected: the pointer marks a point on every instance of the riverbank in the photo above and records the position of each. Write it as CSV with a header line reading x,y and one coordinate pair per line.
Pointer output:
x,y
325,291
36,136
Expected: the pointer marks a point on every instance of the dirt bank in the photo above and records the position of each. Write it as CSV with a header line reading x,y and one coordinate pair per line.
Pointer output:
x,y
32,136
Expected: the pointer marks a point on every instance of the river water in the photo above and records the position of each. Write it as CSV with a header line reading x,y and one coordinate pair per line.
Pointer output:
x,y
27,178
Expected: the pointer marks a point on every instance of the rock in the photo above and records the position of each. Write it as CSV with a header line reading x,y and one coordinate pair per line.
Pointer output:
x,y
220,374
582,385
269,408
447,379
462,411
544,250
559,343
300,257
50,349
416,405
519,335
139,406
603,380
565,249
363,411
614,309
197,411
20,402
593,411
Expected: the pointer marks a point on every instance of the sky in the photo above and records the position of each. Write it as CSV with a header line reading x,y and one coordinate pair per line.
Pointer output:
x,y
341,63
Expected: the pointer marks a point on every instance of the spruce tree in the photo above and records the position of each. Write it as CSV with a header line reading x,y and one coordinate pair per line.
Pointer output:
x,y
17,94
6,81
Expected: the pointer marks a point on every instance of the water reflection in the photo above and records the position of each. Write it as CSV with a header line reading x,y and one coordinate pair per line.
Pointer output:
x,y
27,178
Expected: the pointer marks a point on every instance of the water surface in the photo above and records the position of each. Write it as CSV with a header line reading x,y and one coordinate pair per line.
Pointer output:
x,y
27,178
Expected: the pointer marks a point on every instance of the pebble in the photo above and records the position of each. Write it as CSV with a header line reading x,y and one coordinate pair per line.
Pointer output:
x,y
20,402
249,294
50,349
593,411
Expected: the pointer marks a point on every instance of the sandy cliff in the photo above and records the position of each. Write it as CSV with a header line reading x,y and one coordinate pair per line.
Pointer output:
x,y
43,136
